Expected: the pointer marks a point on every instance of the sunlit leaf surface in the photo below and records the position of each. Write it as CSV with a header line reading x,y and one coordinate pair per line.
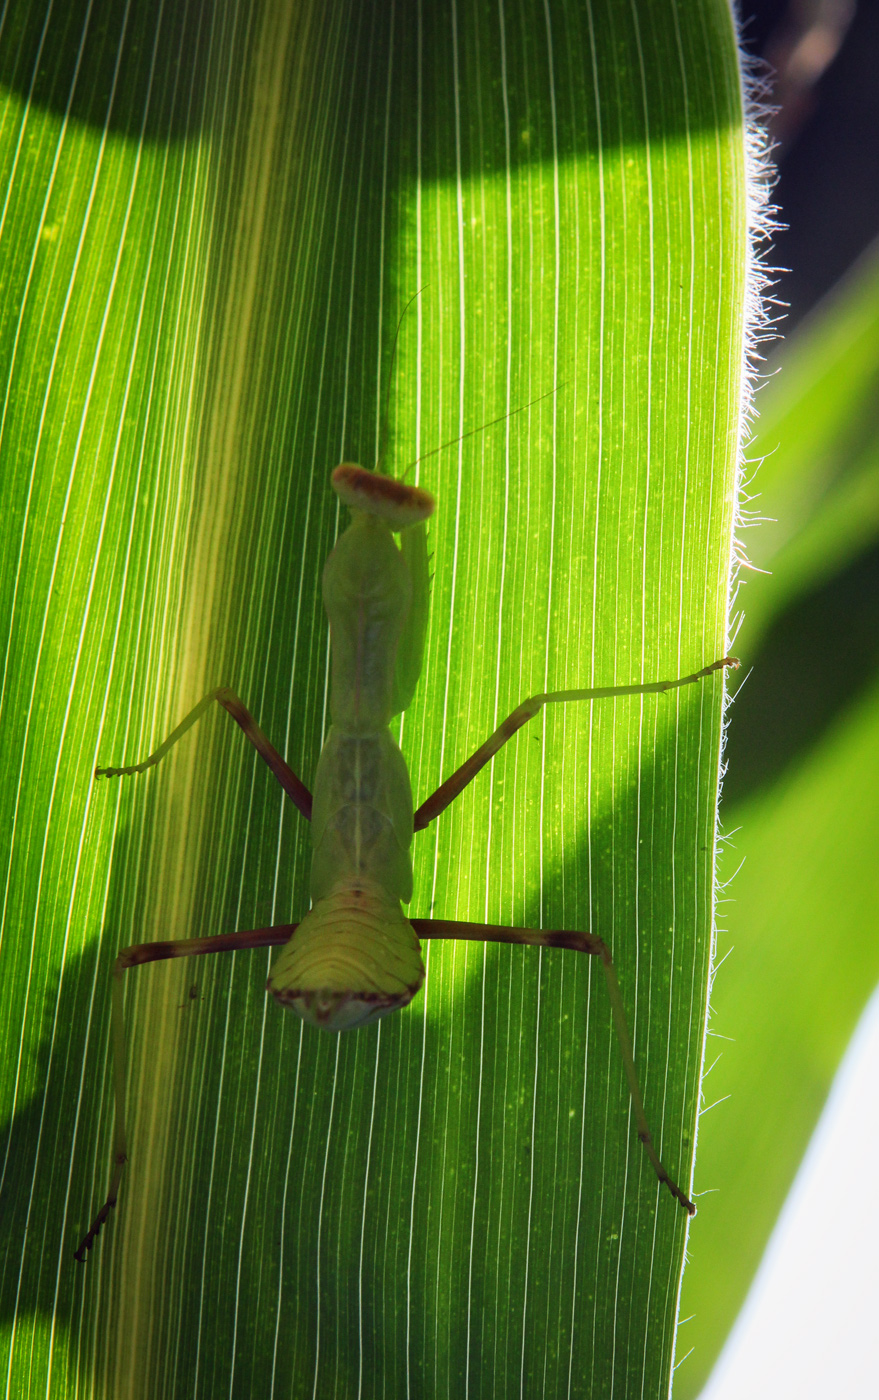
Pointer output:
x,y
215,217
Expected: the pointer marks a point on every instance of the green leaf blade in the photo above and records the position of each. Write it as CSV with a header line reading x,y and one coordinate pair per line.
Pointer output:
x,y
456,1197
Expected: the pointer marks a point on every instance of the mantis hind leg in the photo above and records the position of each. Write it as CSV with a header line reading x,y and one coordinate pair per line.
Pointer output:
x,y
120,1139
136,956
584,943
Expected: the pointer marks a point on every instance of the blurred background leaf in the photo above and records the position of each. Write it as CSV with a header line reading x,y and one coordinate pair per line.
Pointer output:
x,y
801,800
799,794
215,215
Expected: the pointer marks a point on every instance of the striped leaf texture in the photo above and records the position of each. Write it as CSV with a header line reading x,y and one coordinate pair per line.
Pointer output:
x,y
213,217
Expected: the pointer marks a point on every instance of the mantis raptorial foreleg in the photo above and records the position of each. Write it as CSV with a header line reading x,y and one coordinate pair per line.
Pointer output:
x,y
355,956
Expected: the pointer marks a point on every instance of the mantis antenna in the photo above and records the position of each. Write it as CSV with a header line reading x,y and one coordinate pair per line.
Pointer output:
x,y
383,432
471,432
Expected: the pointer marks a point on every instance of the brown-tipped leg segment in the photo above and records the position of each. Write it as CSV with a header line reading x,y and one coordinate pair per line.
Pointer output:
x,y
583,943
450,789
120,1148
276,936
292,785
88,1239
136,956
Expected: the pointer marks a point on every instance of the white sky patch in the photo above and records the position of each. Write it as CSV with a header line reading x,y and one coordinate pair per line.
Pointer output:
x,y
808,1327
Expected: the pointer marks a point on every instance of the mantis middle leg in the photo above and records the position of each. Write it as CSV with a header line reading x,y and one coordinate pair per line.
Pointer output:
x,y
290,782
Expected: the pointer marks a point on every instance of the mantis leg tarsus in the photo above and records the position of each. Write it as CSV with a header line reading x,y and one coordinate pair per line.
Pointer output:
x,y
596,947
103,1215
290,782
120,1145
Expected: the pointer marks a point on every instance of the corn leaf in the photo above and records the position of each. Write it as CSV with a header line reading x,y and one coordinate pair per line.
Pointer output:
x,y
216,217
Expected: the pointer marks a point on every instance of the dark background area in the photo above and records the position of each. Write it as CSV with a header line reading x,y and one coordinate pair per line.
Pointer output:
x,y
819,63
821,58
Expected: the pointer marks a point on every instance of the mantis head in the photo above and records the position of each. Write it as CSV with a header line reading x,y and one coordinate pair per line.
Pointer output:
x,y
394,501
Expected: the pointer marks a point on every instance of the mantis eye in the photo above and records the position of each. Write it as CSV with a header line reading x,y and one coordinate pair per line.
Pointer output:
x,y
394,501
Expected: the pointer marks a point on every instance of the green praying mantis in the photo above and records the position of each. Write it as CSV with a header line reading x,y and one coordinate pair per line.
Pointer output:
x,y
356,956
